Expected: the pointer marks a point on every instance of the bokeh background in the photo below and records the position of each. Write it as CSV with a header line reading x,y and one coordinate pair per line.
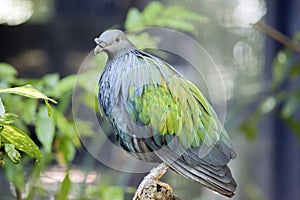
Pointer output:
x,y
260,74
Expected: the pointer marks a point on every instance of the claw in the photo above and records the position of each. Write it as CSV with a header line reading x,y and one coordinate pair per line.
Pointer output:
x,y
164,185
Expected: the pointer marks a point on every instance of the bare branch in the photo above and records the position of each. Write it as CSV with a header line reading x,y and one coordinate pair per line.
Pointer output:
x,y
153,189
278,36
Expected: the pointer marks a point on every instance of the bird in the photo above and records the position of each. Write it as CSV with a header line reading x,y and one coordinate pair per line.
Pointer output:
x,y
158,115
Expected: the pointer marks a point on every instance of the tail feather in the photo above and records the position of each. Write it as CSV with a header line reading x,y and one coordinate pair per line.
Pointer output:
x,y
221,183
219,171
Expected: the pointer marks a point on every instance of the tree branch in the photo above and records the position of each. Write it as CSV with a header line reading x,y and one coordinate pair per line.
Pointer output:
x,y
153,189
278,36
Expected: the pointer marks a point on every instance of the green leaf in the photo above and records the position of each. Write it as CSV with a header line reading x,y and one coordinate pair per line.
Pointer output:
x,y
21,141
64,85
87,126
29,111
49,109
8,118
27,91
133,19
281,67
156,14
62,123
12,153
50,80
291,105
2,109
45,129
14,173
293,124
175,24
181,14
65,100
67,128
267,105
295,71
152,11
66,151
6,70
66,186
250,128
143,40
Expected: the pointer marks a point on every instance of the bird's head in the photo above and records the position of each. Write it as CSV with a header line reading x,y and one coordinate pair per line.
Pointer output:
x,y
112,42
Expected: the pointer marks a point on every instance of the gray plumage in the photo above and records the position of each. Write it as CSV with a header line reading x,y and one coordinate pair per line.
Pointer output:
x,y
132,86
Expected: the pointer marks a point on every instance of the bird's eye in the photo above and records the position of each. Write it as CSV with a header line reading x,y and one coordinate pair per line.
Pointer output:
x,y
117,39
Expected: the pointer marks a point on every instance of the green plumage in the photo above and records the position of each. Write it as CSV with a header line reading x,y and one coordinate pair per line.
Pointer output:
x,y
160,116
177,107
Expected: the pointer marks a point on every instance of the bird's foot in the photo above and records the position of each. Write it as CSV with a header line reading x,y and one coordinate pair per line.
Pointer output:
x,y
164,185
150,182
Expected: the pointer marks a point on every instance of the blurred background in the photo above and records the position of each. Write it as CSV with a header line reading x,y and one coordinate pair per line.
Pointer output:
x,y
254,44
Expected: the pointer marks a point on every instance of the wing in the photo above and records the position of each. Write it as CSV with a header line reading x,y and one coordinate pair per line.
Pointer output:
x,y
174,120
159,98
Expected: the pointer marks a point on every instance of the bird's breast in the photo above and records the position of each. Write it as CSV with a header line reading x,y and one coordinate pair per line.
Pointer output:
x,y
105,91
110,78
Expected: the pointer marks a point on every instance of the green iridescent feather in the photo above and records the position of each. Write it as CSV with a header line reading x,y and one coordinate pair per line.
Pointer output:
x,y
171,105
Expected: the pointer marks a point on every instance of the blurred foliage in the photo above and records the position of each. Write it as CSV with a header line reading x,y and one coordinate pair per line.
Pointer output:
x,y
23,118
105,192
12,138
43,11
47,122
156,14
65,188
280,98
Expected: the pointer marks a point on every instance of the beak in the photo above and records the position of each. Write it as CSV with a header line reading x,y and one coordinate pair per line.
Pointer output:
x,y
97,50
100,46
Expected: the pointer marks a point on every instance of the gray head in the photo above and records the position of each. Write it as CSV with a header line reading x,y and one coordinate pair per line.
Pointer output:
x,y
112,42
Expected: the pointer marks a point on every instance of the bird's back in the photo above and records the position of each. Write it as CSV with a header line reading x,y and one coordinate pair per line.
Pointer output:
x,y
159,116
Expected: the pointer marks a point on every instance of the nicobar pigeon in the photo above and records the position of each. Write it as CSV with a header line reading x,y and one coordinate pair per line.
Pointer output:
x,y
159,116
